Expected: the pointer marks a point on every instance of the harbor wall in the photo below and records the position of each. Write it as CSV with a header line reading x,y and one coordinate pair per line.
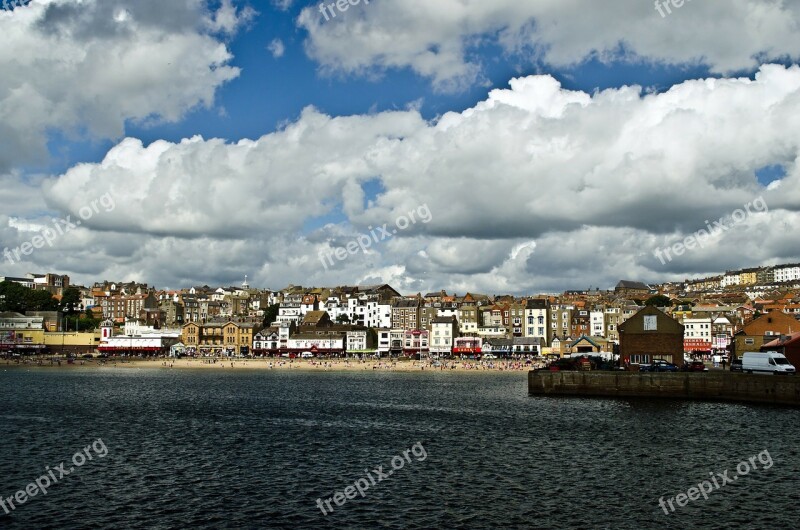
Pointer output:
x,y
716,386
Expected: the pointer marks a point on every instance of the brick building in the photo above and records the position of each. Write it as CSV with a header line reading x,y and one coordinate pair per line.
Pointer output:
x,y
651,334
764,329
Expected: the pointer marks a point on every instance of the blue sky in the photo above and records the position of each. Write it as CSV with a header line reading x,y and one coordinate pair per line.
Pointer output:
x,y
413,105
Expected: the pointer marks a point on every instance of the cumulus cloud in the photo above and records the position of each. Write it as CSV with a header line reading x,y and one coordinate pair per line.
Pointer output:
x,y
437,39
87,67
276,48
534,188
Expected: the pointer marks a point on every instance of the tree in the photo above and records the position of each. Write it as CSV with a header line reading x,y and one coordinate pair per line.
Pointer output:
x,y
15,297
343,319
271,314
659,300
71,300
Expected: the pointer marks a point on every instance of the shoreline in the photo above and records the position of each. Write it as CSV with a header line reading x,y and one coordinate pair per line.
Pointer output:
x,y
276,364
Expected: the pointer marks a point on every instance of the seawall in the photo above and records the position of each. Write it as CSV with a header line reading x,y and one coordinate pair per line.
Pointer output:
x,y
716,386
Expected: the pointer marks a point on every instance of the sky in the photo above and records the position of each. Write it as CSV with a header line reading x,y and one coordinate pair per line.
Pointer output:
x,y
513,147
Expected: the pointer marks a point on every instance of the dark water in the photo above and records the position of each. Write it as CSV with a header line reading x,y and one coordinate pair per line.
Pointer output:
x,y
257,449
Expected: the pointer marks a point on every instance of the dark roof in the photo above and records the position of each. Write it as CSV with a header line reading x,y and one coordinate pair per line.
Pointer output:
x,y
536,304
625,284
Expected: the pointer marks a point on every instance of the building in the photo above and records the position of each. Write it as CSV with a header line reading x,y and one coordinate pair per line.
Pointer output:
x,y
762,330
651,334
218,337
587,344
468,315
444,331
788,345
360,341
630,289
698,334
390,342
405,314
467,346
527,346
536,319
416,343
21,333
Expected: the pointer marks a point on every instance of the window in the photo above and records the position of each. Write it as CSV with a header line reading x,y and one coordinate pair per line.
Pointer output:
x,y
750,342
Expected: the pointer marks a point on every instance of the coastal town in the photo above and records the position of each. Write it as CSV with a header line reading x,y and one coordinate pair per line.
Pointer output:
x,y
715,317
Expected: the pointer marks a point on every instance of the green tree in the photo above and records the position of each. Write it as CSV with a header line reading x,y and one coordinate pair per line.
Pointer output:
x,y
343,319
659,300
13,297
271,314
71,300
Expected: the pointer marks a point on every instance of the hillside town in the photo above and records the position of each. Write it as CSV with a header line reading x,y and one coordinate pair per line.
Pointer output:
x,y
733,312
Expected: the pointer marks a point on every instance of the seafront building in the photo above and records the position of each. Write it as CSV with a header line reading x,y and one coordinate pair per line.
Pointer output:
x,y
719,314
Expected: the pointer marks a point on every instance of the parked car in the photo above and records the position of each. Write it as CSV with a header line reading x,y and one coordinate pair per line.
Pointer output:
x,y
736,365
697,366
659,365
488,356
306,355
766,362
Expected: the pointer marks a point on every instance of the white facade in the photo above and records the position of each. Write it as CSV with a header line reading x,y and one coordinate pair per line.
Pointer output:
x,y
536,324
357,341
697,328
597,323
731,278
443,335
787,273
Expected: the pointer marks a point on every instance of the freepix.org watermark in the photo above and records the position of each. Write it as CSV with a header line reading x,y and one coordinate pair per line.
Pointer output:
x,y
662,5
706,487
339,5
372,478
376,235
60,227
701,237
49,479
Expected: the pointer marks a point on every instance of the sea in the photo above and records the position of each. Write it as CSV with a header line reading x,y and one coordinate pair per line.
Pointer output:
x,y
160,448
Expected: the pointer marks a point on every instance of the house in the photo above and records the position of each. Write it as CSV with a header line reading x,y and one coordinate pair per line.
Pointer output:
x,y
651,334
630,289
219,337
360,340
444,331
497,346
416,342
526,346
536,322
762,330
405,314
588,344
788,345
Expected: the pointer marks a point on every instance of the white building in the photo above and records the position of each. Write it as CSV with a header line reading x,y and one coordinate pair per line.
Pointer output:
x,y
536,323
787,273
358,341
597,325
731,278
444,331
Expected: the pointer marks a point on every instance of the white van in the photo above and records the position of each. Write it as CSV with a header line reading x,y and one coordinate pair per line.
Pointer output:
x,y
306,355
766,362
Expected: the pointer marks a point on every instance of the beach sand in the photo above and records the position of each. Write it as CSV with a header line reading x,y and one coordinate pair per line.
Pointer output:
x,y
334,365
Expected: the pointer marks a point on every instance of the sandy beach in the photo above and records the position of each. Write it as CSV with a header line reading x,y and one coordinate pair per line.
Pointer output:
x,y
340,365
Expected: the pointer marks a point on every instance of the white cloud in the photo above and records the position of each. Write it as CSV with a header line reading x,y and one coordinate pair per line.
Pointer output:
x,y
276,48
89,66
434,39
535,188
